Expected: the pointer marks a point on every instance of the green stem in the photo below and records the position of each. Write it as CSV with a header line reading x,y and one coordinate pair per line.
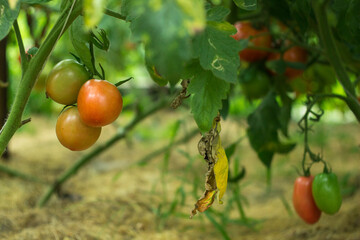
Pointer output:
x,y
34,68
236,192
114,14
218,226
268,179
24,61
15,173
334,57
88,157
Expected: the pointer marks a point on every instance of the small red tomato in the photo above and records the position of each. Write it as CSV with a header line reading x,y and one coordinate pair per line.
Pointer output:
x,y
73,133
99,103
303,200
259,38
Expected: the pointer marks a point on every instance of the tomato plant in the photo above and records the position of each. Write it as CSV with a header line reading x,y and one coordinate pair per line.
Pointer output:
x,y
326,192
65,81
260,38
73,133
303,200
99,103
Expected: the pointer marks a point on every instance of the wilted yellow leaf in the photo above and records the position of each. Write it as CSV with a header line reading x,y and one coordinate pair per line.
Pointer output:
x,y
204,202
221,170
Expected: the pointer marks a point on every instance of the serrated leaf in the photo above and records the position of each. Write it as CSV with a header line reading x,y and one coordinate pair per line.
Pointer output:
x,y
80,39
166,28
207,92
249,5
221,170
263,126
218,51
7,17
217,13
93,12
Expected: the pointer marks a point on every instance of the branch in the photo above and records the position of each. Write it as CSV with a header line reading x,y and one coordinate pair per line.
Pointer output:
x,y
114,14
163,149
15,173
98,150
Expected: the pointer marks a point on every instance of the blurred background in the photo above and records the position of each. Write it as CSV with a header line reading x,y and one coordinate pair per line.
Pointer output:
x,y
145,186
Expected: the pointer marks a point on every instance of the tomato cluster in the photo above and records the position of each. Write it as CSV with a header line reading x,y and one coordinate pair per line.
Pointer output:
x,y
270,56
313,195
99,103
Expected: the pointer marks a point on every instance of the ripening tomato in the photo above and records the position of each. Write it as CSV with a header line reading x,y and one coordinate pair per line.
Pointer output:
x,y
99,103
258,38
296,55
73,133
303,200
65,81
326,192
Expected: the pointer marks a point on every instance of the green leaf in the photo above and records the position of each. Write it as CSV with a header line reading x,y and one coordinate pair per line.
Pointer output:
x,y
218,51
263,129
249,5
7,17
93,11
278,66
285,114
263,126
217,14
80,39
207,92
166,28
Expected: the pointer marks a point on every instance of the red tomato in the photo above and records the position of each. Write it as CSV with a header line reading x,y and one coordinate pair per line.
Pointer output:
x,y
259,38
99,103
294,54
73,133
303,200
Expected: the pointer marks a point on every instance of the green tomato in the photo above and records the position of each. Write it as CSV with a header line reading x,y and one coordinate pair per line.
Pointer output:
x,y
65,80
254,82
326,193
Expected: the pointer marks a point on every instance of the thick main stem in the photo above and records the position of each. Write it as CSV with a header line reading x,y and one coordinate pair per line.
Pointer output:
x,y
34,68
333,55
88,157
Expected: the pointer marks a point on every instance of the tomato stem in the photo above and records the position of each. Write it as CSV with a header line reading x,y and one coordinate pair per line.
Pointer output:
x,y
24,60
268,179
114,14
333,55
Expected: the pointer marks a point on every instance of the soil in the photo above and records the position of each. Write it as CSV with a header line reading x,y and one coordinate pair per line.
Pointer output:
x,y
110,198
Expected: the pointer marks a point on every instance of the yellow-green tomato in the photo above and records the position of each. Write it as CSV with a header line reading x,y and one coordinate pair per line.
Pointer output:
x,y
73,133
65,80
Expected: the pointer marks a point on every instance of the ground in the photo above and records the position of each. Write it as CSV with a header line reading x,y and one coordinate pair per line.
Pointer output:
x,y
112,199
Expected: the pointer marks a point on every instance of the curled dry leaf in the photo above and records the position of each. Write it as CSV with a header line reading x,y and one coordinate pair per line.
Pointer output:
x,y
182,95
210,148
